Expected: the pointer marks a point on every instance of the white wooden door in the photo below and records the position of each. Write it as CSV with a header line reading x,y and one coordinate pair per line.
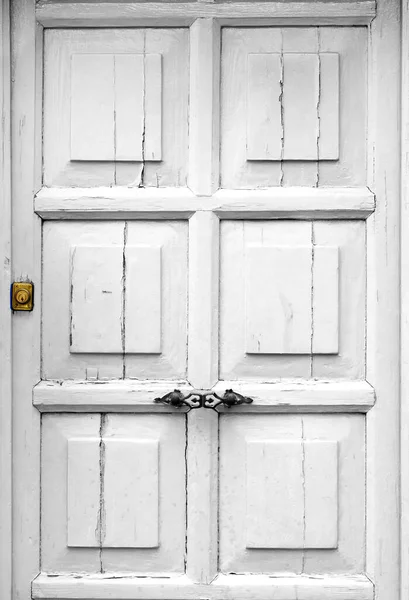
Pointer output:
x,y
215,207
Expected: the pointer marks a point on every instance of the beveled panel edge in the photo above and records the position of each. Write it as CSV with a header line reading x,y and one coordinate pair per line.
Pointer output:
x,y
105,203
172,14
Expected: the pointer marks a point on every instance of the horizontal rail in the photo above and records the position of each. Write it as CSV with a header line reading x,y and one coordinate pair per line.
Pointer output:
x,y
181,203
171,14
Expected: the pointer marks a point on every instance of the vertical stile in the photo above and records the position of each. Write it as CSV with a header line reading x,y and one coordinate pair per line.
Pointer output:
x,y
202,441
5,314
382,512
204,107
26,242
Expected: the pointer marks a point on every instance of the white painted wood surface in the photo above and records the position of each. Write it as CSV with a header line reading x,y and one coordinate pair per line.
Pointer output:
x,y
179,203
239,473
291,494
141,86
143,299
176,318
204,120
131,493
26,107
295,44
138,396
383,243
83,492
404,306
260,588
5,314
69,14
274,301
264,107
96,299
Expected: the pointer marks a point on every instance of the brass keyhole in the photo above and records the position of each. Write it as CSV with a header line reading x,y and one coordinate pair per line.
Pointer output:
x,y
22,296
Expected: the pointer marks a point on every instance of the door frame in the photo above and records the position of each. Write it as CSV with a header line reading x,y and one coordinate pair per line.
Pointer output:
x,y
6,315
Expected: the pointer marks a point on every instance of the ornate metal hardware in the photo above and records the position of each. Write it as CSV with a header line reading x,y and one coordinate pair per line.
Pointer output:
x,y
229,399
178,399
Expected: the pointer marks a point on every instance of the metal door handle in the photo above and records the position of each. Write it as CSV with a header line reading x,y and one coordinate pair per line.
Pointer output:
x,y
178,399
229,399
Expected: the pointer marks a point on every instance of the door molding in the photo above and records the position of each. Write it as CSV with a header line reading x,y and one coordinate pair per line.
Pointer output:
x,y
5,313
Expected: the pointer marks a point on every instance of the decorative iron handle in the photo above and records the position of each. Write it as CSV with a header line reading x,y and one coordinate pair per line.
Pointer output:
x,y
229,399
178,399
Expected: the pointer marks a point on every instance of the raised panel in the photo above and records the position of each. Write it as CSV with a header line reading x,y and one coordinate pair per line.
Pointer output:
x,y
92,107
96,299
83,492
143,299
292,106
113,97
291,494
153,107
278,300
300,106
291,300
264,117
131,498
129,108
325,300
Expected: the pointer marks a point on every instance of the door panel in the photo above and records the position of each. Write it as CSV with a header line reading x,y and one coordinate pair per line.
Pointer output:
x,y
122,300
292,493
113,493
292,300
302,89
115,106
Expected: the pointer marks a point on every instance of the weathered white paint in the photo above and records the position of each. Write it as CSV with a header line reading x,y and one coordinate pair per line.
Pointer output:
x,y
143,300
344,390
96,299
66,14
264,106
291,494
26,114
124,127
83,492
137,396
204,107
404,307
131,493
259,587
5,314
278,299
325,300
179,203
269,303
383,325
254,513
